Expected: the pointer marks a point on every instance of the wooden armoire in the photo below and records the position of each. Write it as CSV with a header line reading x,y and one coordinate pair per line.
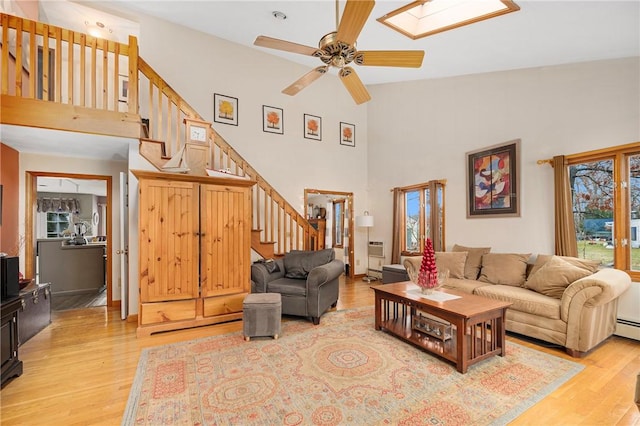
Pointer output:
x,y
194,244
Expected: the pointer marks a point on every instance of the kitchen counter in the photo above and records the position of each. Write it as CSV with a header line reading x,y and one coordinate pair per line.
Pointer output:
x,y
71,268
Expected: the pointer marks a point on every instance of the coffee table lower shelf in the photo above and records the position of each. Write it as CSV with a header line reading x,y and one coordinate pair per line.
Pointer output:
x,y
401,327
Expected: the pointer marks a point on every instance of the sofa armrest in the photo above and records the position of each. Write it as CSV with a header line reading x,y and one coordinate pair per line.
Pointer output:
x,y
413,266
596,289
260,276
324,273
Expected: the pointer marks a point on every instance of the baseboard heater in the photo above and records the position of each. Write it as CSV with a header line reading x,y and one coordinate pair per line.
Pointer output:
x,y
627,328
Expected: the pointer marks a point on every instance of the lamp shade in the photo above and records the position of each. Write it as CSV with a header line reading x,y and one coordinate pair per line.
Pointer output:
x,y
364,221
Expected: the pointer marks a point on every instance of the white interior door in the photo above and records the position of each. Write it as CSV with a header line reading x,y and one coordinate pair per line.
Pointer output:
x,y
123,250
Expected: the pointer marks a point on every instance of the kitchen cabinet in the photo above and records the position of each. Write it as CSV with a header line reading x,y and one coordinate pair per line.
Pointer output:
x,y
194,250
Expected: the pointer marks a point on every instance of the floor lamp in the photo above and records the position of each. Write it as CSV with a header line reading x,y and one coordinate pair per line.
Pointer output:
x,y
366,221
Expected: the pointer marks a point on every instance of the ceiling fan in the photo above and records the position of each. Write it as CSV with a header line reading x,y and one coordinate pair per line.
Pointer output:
x,y
338,49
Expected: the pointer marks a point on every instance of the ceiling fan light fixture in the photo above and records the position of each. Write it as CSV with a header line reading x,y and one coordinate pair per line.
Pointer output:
x,y
422,18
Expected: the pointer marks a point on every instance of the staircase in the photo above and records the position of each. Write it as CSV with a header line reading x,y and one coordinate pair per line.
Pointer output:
x,y
90,99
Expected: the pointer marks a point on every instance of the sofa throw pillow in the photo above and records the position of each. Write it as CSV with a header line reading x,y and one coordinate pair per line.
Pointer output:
x,y
474,260
504,268
586,264
552,278
270,264
298,263
451,261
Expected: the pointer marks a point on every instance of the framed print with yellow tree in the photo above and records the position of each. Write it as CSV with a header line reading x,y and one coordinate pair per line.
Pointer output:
x,y
347,134
225,109
312,127
272,120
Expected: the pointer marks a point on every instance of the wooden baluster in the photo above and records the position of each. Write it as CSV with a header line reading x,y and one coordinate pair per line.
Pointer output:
x,y
32,60
83,70
19,70
70,50
152,119
94,71
104,45
116,78
57,89
133,76
45,62
5,54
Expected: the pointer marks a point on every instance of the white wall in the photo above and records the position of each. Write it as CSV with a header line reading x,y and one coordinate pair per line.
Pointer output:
x,y
553,110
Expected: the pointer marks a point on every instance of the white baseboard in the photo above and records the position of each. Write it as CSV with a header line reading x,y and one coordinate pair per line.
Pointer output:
x,y
627,329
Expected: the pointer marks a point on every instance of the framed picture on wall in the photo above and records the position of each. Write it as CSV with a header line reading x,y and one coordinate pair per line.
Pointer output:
x,y
225,109
123,88
347,134
272,120
493,181
312,127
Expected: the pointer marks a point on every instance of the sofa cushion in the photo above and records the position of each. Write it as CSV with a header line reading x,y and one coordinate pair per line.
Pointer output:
x,y
589,265
298,263
554,277
474,260
451,261
522,300
468,286
504,268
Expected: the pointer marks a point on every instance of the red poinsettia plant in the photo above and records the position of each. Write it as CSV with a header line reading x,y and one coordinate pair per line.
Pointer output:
x,y
428,274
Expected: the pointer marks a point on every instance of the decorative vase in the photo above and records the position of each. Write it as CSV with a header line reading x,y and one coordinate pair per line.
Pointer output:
x,y
429,283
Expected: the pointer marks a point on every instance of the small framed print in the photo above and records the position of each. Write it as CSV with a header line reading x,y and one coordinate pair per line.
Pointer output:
x,y
272,120
347,134
123,88
225,109
312,127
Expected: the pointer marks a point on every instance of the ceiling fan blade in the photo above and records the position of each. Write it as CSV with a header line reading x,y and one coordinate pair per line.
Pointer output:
x,y
305,80
390,58
354,85
287,46
354,16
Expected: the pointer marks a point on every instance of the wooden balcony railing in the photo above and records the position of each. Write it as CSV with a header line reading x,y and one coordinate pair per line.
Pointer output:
x,y
87,72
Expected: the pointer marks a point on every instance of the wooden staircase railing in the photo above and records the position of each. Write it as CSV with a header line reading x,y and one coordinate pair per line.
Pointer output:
x,y
277,225
86,75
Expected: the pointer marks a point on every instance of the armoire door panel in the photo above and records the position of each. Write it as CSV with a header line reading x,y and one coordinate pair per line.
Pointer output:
x,y
225,220
169,226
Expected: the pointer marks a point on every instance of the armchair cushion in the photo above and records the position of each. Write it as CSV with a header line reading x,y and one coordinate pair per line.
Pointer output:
x,y
298,263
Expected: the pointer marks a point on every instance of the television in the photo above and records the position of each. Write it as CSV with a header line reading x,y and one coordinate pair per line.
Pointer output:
x,y
9,280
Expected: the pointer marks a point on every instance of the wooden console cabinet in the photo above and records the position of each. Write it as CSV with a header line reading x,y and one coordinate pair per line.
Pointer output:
x,y
195,242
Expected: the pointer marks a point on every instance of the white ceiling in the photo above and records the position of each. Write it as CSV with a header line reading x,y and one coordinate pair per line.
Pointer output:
x,y
541,33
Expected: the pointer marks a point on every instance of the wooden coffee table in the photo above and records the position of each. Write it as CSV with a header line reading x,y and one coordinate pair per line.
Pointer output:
x,y
476,330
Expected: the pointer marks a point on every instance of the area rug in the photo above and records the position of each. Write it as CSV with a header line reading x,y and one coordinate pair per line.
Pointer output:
x,y
340,372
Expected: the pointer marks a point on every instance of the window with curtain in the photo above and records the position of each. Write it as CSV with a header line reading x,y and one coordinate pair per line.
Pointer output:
x,y
605,193
422,217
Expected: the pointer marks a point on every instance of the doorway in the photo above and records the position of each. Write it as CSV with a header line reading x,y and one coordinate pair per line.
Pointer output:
x,y
89,237
337,209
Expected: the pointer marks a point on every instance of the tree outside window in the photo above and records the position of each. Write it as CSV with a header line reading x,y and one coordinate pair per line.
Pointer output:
x,y
605,189
419,204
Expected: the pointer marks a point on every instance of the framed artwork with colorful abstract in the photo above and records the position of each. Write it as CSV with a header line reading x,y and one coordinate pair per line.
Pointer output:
x,y
493,181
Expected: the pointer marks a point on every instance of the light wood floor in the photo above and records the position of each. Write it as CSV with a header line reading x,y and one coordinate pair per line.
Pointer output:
x,y
78,371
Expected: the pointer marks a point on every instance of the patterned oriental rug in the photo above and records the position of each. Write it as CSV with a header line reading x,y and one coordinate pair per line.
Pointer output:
x,y
340,372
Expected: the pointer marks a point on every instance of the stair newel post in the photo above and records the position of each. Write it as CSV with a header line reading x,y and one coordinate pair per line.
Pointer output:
x,y
133,75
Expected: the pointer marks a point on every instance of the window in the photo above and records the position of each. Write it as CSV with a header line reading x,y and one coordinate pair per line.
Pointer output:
x,y
57,223
605,190
422,217
338,223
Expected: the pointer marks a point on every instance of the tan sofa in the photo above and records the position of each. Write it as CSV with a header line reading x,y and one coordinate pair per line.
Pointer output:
x,y
561,300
